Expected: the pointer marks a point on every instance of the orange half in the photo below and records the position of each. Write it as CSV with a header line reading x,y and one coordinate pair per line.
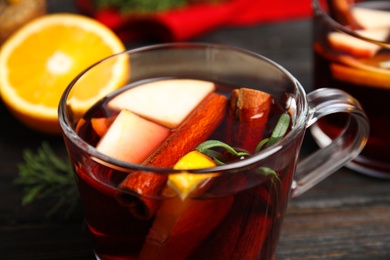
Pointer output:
x,y
40,60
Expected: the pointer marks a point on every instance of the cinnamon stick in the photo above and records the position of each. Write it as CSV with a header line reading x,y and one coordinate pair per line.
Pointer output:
x,y
251,109
340,11
180,226
198,126
245,231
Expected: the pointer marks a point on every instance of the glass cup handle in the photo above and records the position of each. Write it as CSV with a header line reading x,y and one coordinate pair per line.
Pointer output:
x,y
333,154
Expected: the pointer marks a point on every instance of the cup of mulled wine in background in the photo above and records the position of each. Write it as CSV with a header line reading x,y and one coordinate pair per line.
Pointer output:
x,y
190,151
352,52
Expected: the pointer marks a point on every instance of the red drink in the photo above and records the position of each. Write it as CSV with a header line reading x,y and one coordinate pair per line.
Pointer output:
x,y
233,216
362,70
188,151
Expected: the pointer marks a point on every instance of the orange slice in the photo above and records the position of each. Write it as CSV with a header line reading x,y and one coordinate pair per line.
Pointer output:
x,y
184,183
371,72
40,59
360,76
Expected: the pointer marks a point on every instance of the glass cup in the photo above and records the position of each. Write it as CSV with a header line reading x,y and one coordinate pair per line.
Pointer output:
x,y
352,53
237,209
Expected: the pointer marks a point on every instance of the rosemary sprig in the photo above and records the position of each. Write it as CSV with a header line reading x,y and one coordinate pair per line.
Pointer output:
x,y
278,133
44,175
207,149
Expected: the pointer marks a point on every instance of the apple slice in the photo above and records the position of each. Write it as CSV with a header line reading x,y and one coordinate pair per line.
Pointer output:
x,y
356,47
131,138
371,18
167,102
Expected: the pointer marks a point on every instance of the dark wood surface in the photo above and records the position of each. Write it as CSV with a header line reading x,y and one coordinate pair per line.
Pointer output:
x,y
347,216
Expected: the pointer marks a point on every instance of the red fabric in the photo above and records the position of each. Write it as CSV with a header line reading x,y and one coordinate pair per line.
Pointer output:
x,y
187,23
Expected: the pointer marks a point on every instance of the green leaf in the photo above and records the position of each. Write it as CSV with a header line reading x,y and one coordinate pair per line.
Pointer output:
x,y
279,130
31,193
278,133
209,144
261,144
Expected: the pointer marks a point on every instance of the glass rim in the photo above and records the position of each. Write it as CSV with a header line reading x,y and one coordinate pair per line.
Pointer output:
x,y
299,122
319,11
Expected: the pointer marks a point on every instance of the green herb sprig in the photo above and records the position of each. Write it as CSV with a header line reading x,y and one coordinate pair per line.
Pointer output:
x,y
278,133
44,175
210,147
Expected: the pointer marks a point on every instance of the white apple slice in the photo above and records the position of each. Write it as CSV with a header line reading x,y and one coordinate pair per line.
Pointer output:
x,y
131,138
371,18
356,47
167,102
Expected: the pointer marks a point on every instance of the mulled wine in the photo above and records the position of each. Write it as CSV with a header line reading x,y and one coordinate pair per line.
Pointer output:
x,y
229,217
361,67
189,151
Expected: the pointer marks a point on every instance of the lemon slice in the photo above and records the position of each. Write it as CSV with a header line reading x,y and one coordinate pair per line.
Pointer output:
x,y
184,183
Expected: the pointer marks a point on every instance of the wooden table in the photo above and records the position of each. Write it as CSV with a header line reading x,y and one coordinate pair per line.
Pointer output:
x,y
347,216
